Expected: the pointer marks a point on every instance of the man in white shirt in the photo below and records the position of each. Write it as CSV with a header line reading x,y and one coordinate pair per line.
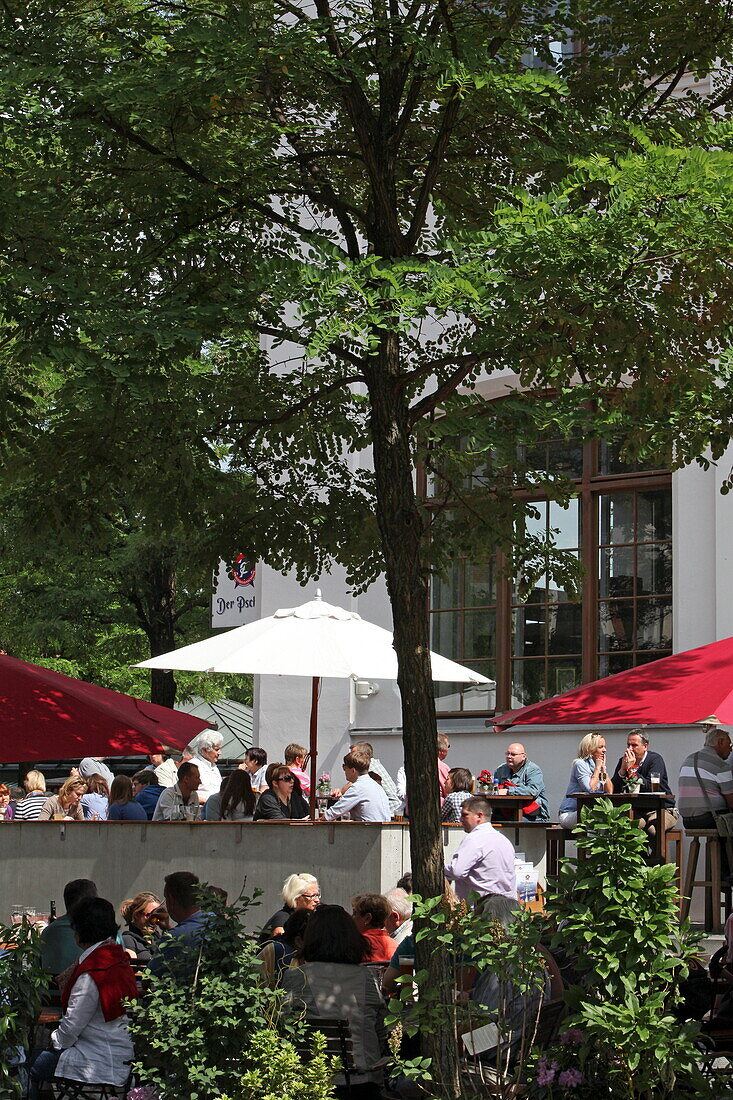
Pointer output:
x,y
166,765
484,862
364,799
206,751
180,802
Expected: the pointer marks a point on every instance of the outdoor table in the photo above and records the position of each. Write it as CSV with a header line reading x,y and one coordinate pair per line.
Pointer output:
x,y
639,804
514,803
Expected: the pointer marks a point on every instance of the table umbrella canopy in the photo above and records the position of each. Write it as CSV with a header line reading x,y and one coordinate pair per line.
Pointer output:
x,y
681,690
315,639
46,715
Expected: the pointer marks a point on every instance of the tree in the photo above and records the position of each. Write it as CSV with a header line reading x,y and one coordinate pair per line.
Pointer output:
x,y
398,197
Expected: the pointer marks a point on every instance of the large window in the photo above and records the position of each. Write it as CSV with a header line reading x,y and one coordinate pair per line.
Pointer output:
x,y
620,527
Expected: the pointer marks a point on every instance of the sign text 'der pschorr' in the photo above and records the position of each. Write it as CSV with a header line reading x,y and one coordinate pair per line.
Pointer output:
x,y
235,600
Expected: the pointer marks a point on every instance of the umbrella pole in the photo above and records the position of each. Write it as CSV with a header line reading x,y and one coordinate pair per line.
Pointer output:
x,y
314,743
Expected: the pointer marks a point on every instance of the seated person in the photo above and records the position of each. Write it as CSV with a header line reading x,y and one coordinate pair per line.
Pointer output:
x,y
146,790
458,787
399,921
122,804
364,799
298,892
370,913
181,801
178,948
638,764
234,802
95,803
588,775
518,775
92,1043
283,951
59,946
143,916
333,982
282,799
66,805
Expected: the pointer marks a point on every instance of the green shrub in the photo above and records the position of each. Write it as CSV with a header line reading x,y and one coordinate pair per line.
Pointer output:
x,y
619,919
23,984
215,1030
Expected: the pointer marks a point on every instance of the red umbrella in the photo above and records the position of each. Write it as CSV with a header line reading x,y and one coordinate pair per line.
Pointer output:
x,y
46,715
680,690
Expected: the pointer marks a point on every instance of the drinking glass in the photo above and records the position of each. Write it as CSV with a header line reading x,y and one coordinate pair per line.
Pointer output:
x,y
16,914
655,781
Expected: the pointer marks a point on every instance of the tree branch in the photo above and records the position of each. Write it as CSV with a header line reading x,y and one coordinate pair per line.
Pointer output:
x,y
293,410
445,389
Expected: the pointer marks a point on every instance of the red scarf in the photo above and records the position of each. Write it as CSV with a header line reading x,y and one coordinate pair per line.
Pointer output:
x,y
109,966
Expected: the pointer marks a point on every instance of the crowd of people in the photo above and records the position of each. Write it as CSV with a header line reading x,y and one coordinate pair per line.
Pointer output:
x,y
98,964
188,786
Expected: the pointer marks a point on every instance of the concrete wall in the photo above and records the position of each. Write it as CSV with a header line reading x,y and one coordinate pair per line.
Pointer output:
x,y
37,858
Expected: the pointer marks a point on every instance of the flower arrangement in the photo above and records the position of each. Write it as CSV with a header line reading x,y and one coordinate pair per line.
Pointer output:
x,y
633,781
554,1078
484,781
323,784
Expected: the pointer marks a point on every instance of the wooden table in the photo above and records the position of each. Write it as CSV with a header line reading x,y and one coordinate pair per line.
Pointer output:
x,y
514,803
639,805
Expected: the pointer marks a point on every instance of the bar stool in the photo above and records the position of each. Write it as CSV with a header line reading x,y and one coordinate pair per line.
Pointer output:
x,y
554,848
674,837
712,880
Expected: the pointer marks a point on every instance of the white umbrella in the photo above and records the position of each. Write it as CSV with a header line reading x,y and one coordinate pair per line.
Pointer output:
x,y
315,639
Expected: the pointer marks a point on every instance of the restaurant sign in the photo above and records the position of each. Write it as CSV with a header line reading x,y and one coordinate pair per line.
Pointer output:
x,y
235,599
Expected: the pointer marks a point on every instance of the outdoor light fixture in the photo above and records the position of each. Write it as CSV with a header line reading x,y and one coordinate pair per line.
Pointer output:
x,y
363,689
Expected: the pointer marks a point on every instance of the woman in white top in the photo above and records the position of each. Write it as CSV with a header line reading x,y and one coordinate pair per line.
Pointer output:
x,y
92,1043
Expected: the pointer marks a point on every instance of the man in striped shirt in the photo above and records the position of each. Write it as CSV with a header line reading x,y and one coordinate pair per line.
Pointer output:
x,y
715,781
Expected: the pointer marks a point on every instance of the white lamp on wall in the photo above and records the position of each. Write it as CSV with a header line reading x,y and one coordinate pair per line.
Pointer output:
x,y
364,689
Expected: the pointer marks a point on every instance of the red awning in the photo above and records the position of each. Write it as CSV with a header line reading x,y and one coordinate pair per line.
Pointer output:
x,y
680,690
45,715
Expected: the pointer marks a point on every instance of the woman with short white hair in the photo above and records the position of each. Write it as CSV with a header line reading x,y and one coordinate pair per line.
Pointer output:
x,y
298,892
206,749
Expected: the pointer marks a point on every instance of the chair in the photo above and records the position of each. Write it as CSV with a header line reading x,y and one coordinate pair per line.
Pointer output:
x,y
712,882
339,1044
555,839
64,1089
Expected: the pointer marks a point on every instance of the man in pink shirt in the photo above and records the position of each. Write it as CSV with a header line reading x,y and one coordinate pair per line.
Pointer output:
x,y
484,862
295,759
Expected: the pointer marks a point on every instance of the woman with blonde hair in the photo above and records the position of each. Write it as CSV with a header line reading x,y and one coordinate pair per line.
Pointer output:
x,y
66,805
588,775
298,892
142,916
29,808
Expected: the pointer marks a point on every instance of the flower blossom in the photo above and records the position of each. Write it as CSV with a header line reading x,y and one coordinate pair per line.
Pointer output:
x,y
570,1078
545,1073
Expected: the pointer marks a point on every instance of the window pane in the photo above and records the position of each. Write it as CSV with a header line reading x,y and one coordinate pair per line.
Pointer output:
x,y
447,592
614,662
479,634
564,629
616,572
654,564
555,594
456,697
654,624
654,515
563,675
616,518
480,585
529,631
567,522
537,526
609,461
616,625
565,456
528,682
445,626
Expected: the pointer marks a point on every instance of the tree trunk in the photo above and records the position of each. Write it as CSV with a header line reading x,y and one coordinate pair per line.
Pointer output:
x,y
401,530
158,583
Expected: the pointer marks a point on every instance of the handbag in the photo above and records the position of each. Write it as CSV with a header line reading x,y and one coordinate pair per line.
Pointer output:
x,y
723,818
